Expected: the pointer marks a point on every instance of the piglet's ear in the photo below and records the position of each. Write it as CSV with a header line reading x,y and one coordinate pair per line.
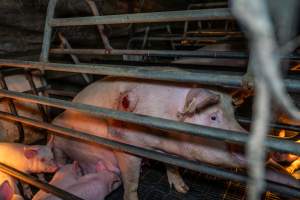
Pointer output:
x,y
6,192
100,166
30,152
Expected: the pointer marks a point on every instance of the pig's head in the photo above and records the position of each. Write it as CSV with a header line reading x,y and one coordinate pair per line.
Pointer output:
x,y
209,108
72,170
39,159
213,109
111,176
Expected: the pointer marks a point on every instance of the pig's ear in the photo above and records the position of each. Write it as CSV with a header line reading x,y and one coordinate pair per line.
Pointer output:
x,y
50,142
6,192
76,168
30,152
100,166
197,99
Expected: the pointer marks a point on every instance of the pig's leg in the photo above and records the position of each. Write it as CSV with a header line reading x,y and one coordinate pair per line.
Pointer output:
x,y
294,166
130,170
176,180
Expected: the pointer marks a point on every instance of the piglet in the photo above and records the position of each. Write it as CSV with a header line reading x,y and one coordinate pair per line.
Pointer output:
x,y
28,159
7,192
64,177
94,186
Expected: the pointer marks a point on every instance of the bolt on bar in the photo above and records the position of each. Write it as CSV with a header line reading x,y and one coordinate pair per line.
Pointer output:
x,y
37,183
155,73
169,16
163,53
154,122
162,157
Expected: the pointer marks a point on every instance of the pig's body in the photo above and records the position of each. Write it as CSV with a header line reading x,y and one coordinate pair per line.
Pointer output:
x,y
8,129
11,181
94,186
158,99
29,159
63,178
7,192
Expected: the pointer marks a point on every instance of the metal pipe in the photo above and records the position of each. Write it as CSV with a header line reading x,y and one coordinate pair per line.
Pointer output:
x,y
37,183
48,31
155,73
244,120
169,16
35,92
13,110
162,157
154,122
163,53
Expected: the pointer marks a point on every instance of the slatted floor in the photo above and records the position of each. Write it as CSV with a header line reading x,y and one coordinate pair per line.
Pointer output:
x,y
154,186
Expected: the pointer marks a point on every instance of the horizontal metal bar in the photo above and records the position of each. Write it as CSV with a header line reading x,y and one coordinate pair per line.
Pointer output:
x,y
162,157
37,183
169,16
163,53
155,73
244,120
154,122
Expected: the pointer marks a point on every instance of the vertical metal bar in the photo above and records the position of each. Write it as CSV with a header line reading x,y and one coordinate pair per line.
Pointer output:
x,y
35,92
13,110
48,31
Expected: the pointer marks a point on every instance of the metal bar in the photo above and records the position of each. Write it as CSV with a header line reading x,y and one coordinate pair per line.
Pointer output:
x,y
75,59
155,73
169,16
163,53
154,122
162,157
48,31
13,110
37,183
35,92
272,125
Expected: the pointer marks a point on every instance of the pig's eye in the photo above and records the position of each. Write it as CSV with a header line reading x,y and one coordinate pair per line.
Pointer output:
x,y
214,118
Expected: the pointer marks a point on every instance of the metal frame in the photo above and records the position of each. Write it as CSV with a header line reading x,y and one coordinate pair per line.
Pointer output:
x,y
165,74
162,157
155,73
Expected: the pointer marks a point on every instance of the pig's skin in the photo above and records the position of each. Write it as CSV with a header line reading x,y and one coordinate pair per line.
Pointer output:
x,y
94,186
149,98
63,178
11,181
8,129
7,192
29,159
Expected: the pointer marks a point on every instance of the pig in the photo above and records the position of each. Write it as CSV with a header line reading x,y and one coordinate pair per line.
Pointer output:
x,y
26,158
7,192
8,129
10,184
174,101
93,186
64,177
